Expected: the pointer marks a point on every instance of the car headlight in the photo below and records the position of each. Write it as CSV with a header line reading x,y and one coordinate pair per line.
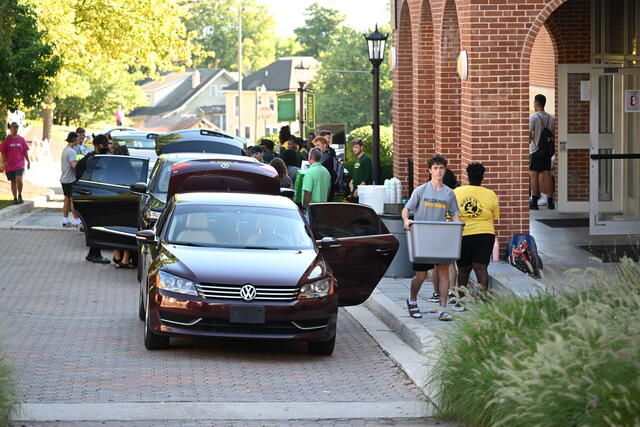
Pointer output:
x,y
318,289
173,283
153,214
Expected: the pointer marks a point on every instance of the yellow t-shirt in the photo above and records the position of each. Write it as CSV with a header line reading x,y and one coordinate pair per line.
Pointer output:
x,y
478,208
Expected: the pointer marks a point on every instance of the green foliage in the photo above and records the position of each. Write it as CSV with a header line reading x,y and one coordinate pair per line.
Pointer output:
x,y
365,133
8,394
288,46
319,26
214,26
386,167
102,38
348,97
549,359
27,60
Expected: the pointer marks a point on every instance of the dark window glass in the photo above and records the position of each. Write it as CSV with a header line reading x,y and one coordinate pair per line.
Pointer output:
x,y
120,170
614,30
136,142
343,220
199,146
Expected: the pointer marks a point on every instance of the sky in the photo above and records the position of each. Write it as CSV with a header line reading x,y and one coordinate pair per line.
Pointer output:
x,y
361,14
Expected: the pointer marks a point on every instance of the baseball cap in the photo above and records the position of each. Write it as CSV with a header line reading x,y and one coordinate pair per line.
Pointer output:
x,y
71,136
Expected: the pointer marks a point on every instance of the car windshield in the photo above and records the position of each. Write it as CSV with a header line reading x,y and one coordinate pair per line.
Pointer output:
x,y
243,227
135,142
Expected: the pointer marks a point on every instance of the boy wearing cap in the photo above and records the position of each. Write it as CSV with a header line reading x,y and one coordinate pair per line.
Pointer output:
x,y
68,164
13,153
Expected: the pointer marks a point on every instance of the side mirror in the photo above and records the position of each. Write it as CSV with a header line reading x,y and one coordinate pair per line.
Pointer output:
x,y
329,243
138,188
146,236
287,192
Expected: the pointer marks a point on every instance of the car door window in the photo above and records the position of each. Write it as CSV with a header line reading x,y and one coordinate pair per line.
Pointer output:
x,y
339,220
118,170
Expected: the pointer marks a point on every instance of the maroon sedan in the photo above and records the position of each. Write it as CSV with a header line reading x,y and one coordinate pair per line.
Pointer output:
x,y
242,265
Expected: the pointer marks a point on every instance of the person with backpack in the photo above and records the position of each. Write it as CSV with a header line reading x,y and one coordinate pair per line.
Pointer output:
x,y
541,150
479,207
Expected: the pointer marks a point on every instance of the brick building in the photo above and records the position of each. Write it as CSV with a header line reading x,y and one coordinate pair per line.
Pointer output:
x,y
517,48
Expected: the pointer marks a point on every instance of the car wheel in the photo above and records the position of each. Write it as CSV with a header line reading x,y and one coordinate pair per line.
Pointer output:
x,y
141,311
322,348
153,341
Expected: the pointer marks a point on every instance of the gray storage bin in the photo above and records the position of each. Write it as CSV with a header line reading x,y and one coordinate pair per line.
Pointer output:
x,y
434,242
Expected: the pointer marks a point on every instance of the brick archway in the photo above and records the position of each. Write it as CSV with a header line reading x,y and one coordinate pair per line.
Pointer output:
x,y
448,89
424,142
403,94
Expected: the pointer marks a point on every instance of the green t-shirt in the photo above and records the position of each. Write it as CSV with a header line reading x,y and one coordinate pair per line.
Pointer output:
x,y
317,180
362,171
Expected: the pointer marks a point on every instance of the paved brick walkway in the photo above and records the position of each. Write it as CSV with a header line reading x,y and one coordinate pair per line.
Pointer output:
x,y
70,328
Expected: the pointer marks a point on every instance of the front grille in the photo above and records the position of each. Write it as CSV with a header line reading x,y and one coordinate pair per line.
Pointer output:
x,y
233,292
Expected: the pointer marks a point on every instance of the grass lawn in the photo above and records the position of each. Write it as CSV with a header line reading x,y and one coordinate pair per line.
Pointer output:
x,y
4,203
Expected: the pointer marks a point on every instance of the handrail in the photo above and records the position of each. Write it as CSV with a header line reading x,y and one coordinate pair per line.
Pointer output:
x,y
615,156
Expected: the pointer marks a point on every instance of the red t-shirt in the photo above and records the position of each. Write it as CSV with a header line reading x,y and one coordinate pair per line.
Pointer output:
x,y
13,150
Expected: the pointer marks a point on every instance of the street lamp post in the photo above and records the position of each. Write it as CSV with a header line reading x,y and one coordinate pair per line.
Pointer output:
x,y
376,41
301,76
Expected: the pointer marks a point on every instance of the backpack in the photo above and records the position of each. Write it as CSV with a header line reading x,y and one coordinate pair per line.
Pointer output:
x,y
339,180
546,143
522,253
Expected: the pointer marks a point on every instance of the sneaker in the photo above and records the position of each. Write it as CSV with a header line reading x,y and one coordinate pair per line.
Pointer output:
x,y
20,198
67,224
457,307
451,298
414,311
550,204
77,222
542,200
434,298
15,202
98,260
444,316
534,205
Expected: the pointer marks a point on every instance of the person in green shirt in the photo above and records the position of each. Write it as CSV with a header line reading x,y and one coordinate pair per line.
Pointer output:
x,y
362,170
317,181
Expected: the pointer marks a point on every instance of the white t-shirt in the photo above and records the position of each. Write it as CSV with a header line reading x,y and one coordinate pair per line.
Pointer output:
x,y
537,123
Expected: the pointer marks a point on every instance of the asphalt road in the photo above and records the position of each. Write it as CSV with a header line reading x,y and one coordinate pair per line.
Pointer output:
x,y
71,332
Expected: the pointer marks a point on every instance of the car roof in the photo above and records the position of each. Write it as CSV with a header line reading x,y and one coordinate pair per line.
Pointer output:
x,y
236,199
176,157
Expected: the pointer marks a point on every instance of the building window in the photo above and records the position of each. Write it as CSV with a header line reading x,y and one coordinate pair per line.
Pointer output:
x,y
222,122
237,132
237,106
258,99
214,91
272,103
247,132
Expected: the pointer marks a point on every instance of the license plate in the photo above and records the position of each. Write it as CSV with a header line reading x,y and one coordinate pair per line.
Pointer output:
x,y
247,314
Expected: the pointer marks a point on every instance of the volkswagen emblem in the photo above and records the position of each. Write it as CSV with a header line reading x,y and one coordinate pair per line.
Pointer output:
x,y
248,292
225,165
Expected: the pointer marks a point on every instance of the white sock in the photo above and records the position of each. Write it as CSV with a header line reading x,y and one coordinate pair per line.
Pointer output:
x,y
413,301
65,220
78,221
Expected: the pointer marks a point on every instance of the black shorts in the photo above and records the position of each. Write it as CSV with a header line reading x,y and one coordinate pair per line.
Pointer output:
x,y
539,163
422,267
476,249
67,189
12,175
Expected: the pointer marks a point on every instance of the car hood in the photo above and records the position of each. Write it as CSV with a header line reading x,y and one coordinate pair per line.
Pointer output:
x,y
237,266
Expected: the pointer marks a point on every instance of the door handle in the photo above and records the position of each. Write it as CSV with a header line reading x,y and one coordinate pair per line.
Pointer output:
x,y
84,192
383,251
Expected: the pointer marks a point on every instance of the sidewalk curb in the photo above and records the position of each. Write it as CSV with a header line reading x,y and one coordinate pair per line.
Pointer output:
x,y
421,339
15,210
506,279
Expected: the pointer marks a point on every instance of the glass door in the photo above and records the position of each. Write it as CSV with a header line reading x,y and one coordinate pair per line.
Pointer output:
x,y
614,196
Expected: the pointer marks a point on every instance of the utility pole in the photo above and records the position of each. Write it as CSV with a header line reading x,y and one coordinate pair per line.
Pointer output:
x,y
240,71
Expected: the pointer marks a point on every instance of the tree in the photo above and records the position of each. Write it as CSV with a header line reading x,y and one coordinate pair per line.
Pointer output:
x,y
348,97
320,24
214,26
288,46
27,61
106,36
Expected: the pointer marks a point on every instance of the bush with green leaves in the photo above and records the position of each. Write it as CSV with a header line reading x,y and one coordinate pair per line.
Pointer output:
x,y
386,167
366,135
8,393
550,359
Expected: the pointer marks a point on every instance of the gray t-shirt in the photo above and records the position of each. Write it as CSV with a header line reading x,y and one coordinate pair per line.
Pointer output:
x,y
537,123
427,204
68,173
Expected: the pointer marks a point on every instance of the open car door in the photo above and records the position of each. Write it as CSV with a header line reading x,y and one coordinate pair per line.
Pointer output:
x,y
104,201
356,244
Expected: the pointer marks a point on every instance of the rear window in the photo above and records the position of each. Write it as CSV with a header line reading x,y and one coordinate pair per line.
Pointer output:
x,y
136,142
172,144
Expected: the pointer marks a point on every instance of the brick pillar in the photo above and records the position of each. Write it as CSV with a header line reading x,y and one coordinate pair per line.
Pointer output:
x,y
424,90
403,96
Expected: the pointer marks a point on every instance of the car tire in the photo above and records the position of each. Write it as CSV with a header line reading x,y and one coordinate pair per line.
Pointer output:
x,y
322,348
153,341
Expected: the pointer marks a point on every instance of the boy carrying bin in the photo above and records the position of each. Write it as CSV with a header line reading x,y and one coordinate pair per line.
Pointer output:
x,y
431,202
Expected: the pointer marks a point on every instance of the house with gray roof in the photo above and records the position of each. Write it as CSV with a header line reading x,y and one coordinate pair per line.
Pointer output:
x,y
196,93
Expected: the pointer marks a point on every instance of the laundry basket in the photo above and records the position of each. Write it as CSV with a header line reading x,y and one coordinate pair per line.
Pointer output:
x,y
434,242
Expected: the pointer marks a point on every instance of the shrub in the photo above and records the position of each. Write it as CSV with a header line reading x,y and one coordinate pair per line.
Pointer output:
x,y
8,393
386,166
366,134
549,359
